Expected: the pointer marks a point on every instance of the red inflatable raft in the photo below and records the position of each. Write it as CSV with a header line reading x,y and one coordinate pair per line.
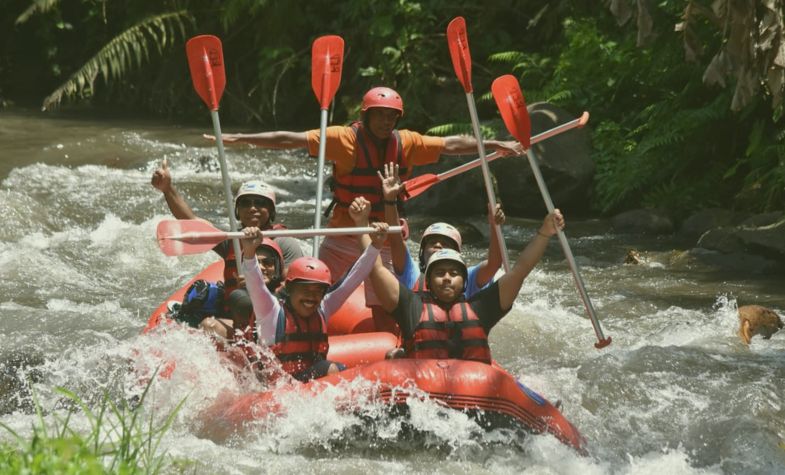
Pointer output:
x,y
489,393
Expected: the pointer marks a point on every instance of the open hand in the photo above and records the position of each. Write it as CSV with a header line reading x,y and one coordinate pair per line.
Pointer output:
x,y
360,210
391,181
510,148
162,179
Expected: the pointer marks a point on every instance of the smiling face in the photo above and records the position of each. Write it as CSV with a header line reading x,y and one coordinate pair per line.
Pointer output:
x,y
254,211
381,121
446,281
266,258
305,298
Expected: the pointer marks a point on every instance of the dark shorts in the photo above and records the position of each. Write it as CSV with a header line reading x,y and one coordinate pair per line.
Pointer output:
x,y
318,370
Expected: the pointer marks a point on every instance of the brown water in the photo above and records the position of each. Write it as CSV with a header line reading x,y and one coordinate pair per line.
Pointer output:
x,y
676,392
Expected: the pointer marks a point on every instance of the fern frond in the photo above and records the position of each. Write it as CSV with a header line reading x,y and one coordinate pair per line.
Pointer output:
x,y
126,51
507,57
451,129
561,96
38,6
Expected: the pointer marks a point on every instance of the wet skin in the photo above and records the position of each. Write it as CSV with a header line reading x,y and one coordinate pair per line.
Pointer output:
x,y
446,280
305,298
266,259
435,243
381,121
251,215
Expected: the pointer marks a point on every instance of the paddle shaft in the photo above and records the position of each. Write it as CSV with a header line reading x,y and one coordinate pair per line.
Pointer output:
x,y
317,221
568,252
227,186
486,176
297,233
536,139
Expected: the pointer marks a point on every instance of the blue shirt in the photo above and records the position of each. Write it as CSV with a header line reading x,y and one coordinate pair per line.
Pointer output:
x,y
411,272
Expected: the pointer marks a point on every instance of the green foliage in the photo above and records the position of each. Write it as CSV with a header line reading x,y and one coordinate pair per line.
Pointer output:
x,y
37,6
661,136
488,131
128,50
664,138
119,442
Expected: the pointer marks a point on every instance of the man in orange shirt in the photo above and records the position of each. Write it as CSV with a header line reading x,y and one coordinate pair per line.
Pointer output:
x,y
358,152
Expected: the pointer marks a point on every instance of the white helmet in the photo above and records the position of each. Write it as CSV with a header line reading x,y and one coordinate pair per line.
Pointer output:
x,y
440,229
446,255
256,188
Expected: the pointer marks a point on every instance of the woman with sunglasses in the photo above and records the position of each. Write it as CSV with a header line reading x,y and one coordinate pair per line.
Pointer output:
x,y
271,264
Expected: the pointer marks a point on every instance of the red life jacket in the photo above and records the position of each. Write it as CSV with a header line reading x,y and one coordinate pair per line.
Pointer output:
x,y
363,180
303,341
454,333
230,272
420,285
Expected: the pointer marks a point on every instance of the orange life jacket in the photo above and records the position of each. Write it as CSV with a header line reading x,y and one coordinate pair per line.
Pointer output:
x,y
301,342
363,180
454,333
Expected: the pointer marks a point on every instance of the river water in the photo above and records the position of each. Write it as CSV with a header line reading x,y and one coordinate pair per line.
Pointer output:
x,y
676,392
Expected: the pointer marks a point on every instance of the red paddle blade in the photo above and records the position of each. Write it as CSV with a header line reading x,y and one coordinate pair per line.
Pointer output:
x,y
206,62
179,237
417,185
509,99
459,52
326,65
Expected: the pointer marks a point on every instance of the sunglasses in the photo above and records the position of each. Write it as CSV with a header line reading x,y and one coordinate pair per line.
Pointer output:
x,y
247,202
266,261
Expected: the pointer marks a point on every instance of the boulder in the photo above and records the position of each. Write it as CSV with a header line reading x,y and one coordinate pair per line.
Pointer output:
x,y
721,239
751,237
564,161
767,240
646,221
706,219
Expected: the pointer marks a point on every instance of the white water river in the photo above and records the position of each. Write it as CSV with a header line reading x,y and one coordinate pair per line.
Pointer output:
x,y
80,272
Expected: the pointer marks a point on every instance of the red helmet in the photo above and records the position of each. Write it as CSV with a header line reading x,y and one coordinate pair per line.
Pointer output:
x,y
308,270
270,244
382,97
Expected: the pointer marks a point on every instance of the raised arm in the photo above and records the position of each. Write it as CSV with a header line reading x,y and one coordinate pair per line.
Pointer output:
x,y
489,266
391,188
466,145
357,273
265,306
162,180
385,285
511,282
277,139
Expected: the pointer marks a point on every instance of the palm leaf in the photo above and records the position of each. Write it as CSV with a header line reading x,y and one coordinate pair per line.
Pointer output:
x,y
38,6
126,51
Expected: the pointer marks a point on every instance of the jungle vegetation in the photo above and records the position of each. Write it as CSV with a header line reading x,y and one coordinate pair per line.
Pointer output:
x,y
685,95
